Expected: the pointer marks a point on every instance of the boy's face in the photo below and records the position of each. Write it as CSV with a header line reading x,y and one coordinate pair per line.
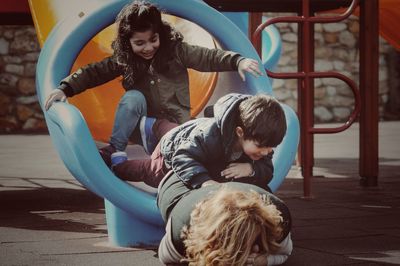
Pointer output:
x,y
252,148
145,44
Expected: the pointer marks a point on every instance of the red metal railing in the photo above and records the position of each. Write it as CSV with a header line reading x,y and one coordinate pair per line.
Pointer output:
x,y
306,76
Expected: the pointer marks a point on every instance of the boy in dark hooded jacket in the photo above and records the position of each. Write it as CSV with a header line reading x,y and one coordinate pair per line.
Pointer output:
x,y
236,144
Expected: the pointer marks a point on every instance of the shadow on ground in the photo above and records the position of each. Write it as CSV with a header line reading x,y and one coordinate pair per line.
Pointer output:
x,y
57,209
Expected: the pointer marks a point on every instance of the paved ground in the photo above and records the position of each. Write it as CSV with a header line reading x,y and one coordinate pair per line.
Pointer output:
x,y
47,218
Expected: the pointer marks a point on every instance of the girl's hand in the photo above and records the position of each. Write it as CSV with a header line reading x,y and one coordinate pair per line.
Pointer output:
x,y
237,170
55,96
249,65
257,258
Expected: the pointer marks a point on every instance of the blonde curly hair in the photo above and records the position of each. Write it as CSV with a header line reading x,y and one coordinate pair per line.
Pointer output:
x,y
225,226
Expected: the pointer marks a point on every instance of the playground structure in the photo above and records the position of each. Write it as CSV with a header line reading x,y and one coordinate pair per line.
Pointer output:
x,y
132,215
366,99
17,12
306,83
369,10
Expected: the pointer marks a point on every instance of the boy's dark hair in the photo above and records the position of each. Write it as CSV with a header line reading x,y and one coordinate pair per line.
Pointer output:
x,y
263,120
140,16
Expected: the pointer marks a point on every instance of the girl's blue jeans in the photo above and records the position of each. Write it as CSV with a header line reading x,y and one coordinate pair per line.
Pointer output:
x,y
131,108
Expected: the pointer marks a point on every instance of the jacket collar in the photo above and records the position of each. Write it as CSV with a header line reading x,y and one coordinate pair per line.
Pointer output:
x,y
226,110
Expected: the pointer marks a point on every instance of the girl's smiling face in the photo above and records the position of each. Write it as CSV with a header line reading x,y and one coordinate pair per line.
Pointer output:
x,y
145,44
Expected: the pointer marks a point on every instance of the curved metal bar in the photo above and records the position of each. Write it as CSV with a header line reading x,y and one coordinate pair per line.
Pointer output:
x,y
357,99
268,22
301,19
303,75
306,114
343,16
351,83
293,75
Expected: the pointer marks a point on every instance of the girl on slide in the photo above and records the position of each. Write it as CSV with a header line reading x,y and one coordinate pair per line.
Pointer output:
x,y
152,59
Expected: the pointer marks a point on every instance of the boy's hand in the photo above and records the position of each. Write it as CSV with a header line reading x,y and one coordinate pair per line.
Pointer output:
x,y
249,65
56,95
237,170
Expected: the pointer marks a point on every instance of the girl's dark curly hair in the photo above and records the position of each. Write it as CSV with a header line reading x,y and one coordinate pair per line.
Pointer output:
x,y
140,16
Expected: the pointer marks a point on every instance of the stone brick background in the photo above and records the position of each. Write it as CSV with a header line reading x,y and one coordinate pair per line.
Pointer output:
x,y
336,48
19,108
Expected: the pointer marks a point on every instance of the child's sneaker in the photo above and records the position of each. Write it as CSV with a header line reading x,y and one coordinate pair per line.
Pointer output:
x,y
117,158
146,132
106,152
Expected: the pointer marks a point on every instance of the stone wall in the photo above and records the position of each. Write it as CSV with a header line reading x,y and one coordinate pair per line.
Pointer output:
x,y
19,107
335,49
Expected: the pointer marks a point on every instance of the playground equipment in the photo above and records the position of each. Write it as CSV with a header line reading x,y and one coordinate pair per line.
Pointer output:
x,y
132,216
366,99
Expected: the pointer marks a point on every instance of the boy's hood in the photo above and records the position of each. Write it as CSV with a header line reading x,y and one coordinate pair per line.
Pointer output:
x,y
226,110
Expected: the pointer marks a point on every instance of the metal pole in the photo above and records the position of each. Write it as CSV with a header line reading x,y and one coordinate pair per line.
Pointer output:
x,y
369,92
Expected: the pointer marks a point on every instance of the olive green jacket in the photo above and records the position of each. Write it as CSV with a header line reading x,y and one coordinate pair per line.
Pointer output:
x,y
166,93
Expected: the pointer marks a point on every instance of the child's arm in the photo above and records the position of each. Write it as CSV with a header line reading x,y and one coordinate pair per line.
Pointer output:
x,y
188,160
258,173
55,96
207,60
278,258
258,169
86,77
250,66
238,170
283,253
90,76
